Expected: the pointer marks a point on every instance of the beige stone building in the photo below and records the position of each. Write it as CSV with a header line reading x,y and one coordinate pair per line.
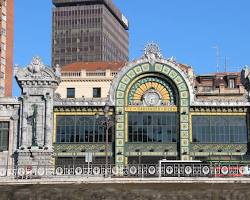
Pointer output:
x,y
87,80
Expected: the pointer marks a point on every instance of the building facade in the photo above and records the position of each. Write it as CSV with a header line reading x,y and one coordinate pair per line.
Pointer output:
x,y
6,49
87,30
88,80
156,108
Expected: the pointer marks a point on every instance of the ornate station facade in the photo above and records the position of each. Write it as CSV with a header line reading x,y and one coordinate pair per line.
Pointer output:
x,y
155,108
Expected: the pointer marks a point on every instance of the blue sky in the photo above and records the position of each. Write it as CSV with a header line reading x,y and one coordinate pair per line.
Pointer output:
x,y
185,29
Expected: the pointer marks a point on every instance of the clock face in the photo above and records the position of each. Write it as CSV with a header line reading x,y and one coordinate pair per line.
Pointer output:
x,y
151,98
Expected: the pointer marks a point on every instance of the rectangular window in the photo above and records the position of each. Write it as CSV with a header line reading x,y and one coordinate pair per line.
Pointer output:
x,y
70,92
3,32
152,127
4,136
3,61
3,17
97,92
81,129
3,46
219,129
231,83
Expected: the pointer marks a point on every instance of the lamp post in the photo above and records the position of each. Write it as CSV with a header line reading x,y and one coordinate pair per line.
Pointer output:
x,y
106,123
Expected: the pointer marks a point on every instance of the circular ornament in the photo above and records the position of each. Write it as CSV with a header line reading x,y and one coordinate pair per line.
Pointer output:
x,y
151,170
151,98
169,170
133,170
188,170
96,170
224,170
78,171
205,170
59,171
40,172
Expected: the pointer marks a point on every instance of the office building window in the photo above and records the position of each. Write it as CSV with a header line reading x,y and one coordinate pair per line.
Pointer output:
x,y
97,92
4,136
70,92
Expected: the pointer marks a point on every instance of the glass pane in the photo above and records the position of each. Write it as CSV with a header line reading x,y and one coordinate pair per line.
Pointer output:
x,y
219,129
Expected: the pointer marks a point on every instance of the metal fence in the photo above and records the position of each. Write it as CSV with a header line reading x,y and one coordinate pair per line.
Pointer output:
x,y
130,171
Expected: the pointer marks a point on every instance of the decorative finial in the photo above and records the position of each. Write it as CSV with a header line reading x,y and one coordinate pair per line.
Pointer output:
x,y
36,65
152,51
57,70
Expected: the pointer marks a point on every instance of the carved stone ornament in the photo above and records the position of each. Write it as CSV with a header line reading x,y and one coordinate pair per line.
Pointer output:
x,y
151,52
57,70
36,65
37,72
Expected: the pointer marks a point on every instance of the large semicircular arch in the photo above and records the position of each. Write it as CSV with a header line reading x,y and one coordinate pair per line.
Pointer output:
x,y
142,66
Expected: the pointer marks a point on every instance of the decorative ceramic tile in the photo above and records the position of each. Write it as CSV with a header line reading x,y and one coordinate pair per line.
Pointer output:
x,y
184,134
125,79
120,118
119,126
131,74
172,74
166,70
178,80
145,67
184,142
184,126
122,87
184,94
119,102
138,70
119,110
158,67
119,142
119,159
184,102
184,110
119,134
184,118
120,94
182,87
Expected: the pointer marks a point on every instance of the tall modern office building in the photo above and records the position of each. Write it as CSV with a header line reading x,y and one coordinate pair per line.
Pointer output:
x,y
6,49
88,30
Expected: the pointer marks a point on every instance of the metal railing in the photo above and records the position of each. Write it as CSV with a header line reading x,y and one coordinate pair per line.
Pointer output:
x,y
129,171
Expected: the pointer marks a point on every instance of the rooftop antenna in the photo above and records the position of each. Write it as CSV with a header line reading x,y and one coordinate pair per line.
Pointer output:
x,y
226,63
217,57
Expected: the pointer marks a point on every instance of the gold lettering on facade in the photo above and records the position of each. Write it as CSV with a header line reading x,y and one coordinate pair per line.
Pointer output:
x,y
151,109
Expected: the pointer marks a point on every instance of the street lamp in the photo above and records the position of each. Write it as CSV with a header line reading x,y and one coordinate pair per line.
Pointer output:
x,y
106,123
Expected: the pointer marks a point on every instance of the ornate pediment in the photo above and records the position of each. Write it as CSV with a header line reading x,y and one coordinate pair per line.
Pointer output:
x,y
37,71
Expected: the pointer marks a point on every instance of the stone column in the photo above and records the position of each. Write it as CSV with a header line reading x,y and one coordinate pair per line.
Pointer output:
x,y
48,122
24,124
